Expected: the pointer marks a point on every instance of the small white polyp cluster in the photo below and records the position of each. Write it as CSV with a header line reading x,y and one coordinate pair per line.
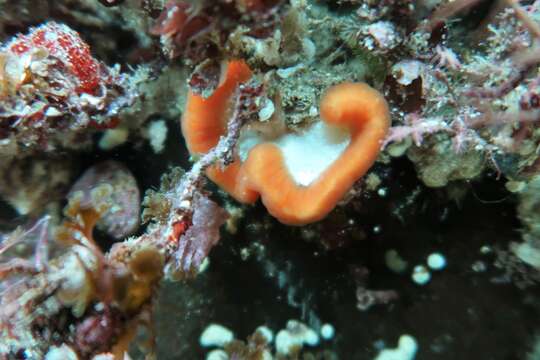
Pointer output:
x,y
157,135
63,352
406,350
295,336
421,275
435,261
327,331
217,354
266,333
287,341
216,335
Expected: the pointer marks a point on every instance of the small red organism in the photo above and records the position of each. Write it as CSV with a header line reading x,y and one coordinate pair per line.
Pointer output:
x,y
178,229
93,334
66,45
251,5
181,21
182,24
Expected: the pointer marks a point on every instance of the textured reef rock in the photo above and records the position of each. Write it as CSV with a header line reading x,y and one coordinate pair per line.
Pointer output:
x,y
111,91
51,84
528,210
31,184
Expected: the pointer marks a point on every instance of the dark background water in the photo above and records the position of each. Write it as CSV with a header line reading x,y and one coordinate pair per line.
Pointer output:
x,y
460,314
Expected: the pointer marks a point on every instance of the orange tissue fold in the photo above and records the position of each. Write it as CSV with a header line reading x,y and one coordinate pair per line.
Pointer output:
x,y
299,177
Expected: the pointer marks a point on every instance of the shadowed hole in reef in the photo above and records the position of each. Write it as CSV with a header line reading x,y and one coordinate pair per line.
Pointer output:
x,y
458,312
146,166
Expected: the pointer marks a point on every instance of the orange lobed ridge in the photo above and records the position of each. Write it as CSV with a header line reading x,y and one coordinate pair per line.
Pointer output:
x,y
357,107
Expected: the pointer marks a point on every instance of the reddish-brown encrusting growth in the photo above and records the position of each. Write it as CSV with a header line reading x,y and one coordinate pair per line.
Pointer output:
x,y
195,243
448,10
181,23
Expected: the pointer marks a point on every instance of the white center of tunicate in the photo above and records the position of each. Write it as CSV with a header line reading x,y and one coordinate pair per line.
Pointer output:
x,y
307,154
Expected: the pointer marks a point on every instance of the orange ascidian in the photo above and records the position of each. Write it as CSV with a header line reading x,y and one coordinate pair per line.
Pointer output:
x,y
300,176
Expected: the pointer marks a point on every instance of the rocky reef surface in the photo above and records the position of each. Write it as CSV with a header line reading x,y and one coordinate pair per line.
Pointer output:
x,y
269,179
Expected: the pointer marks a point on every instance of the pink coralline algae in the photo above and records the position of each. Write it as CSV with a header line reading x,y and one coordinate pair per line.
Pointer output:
x,y
52,88
195,244
114,183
